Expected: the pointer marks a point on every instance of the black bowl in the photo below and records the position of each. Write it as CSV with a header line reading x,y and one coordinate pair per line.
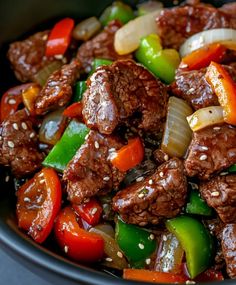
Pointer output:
x,y
17,19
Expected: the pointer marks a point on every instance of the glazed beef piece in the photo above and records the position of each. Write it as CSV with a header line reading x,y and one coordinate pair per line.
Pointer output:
x,y
58,89
18,144
90,171
193,87
118,91
229,249
220,193
101,46
177,24
159,196
212,149
27,57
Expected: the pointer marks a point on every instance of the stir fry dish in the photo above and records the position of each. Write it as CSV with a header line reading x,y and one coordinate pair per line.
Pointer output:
x,y
121,140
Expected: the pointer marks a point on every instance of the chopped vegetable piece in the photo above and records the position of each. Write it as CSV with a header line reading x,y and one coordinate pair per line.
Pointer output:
x,y
39,201
225,89
111,249
59,38
99,62
153,276
42,75
129,155
177,133
29,96
162,63
127,38
202,57
232,168
52,127
196,242
148,7
90,211
11,100
86,29
117,11
74,110
135,242
80,88
71,140
197,205
206,117
76,242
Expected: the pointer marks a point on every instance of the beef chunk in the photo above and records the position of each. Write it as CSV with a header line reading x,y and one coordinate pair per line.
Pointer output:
x,y
212,149
18,144
117,91
229,8
90,171
58,90
229,249
27,57
159,196
193,87
177,24
101,46
220,193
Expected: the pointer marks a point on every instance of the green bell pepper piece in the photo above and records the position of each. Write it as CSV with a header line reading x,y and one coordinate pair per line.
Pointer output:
x,y
99,62
117,11
66,147
80,88
197,205
161,62
196,242
232,168
135,242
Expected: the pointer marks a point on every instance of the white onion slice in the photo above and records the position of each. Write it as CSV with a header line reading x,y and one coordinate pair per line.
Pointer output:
x,y
206,117
127,38
224,36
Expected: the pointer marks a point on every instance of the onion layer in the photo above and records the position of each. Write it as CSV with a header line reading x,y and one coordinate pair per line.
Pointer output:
x,y
177,133
148,7
226,37
206,117
86,29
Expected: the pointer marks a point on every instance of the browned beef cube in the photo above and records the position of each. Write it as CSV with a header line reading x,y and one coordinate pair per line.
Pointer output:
x,y
159,196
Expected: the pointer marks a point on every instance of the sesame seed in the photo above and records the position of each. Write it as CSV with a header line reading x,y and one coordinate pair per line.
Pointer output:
x,y
151,237
0,138
141,195
45,37
86,137
66,248
139,179
112,149
216,128
86,200
191,90
96,144
109,259
215,194
41,174
12,101
32,135
204,147
166,157
190,282
164,237
119,254
10,144
24,126
15,126
107,178
94,211
203,157
150,182
148,261
42,181
27,199
161,174
141,246
58,56
7,178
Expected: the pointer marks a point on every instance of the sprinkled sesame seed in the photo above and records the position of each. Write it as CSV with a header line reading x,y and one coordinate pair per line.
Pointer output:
x,y
42,181
141,246
141,195
164,237
15,126
41,174
32,135
224,173
109,259
119,254
152,236
191,90
0,138
27,199
204,147
139,179
86,200
107,178
96,144
150,182
45,37
166,157
161,174
148,261
66,248
58,56
7,178
203,157
10,144
12,101
86,137
112,149
216,128
24,126
94,211
190,282
215,194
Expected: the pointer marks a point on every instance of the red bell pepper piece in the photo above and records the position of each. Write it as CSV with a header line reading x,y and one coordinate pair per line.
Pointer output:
x,y
90,211
11,100
74,110
76,242
202,57
59,38
153,276
225,89
39,201
129,155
